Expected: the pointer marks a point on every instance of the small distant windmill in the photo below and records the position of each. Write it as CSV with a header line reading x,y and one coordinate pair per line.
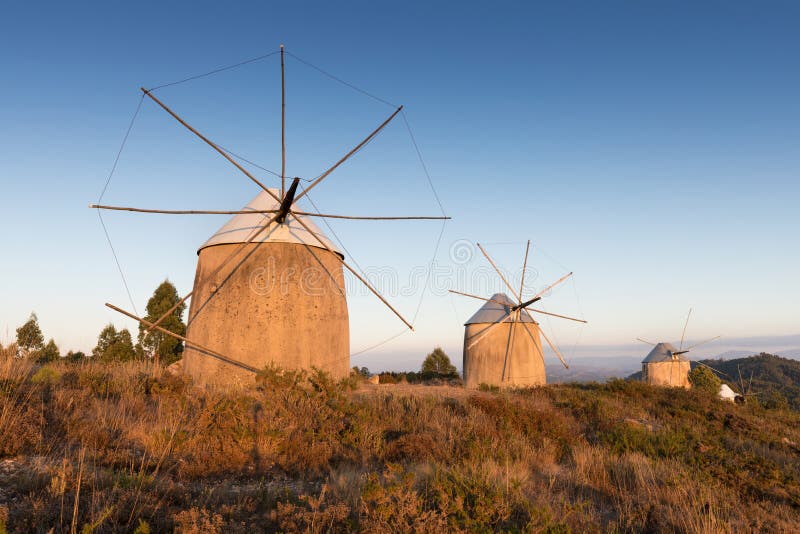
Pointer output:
x,y
665,366
236,326
496,351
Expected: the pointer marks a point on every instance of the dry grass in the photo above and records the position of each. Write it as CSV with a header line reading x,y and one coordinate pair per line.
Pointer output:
x,y
105,448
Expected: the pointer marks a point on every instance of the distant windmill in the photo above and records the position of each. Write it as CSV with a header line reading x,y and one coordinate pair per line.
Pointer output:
x,y
501,340
665,366
240,320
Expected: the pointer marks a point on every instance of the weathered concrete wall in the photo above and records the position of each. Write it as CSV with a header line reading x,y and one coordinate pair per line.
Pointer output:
x,y
673,373
280,305
484,361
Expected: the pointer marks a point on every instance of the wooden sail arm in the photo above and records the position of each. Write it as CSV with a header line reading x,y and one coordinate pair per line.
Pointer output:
x,y
560,357
246,212
554,284
683,334
503,278
283,128
209,143
536,343
487,330
353,271
509,346
559,316
189,342
524,267
503,304
703,343
235,252
347,156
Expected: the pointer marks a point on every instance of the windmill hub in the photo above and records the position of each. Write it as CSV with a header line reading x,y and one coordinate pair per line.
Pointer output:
x,y
523,305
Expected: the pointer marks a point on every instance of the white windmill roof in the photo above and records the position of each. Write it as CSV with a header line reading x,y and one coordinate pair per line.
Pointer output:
x,y
726,393
493,312
663,352
242,226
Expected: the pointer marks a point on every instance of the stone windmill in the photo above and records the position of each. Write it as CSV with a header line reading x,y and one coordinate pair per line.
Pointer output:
x,y
502,341
241,316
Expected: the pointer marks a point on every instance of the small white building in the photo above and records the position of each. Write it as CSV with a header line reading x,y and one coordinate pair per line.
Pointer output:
x,y
726,393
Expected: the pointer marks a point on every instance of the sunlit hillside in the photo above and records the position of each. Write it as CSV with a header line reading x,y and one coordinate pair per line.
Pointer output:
x,y
107,448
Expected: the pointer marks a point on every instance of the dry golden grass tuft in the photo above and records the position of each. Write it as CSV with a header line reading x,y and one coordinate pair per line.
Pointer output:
x,y
107,448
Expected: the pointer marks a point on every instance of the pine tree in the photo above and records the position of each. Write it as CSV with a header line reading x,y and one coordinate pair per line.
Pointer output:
x,y
107,337
164,349
49,353
438,363
29,336
122,348
113,345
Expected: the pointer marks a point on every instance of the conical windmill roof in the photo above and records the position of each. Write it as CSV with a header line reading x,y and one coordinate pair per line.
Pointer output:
x,y
663,352
494,312
242,226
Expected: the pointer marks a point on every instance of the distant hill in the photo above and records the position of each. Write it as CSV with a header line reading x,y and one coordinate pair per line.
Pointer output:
x,y
770,375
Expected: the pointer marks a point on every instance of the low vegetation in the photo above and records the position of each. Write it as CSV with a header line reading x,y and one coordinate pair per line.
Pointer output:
x,y
103,447
771,380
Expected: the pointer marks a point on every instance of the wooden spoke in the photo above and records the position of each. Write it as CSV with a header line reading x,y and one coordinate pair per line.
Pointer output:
x,y
560,357
503,278
557,315
353,271
283,127
683,334
509,345
536,343
367,218
181,212
488,329
554,284
703,343
503,304
234,253
189,342
524,266
645,341
347,156
246,212
209,143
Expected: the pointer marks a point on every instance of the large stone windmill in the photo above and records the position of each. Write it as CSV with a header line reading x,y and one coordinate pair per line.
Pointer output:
x,y
502,344
252,304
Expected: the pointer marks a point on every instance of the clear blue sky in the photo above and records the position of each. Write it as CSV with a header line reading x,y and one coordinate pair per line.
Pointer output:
x,y
651,147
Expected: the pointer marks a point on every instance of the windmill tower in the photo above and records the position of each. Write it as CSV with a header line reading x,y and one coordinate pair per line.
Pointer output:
x,y
502,341
665,366
269,285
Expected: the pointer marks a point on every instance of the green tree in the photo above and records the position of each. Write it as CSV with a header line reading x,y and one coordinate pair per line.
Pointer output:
x,y
704,379
122,350
113,345
107,337
49,353
164,349
74,357
29,336
438,363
